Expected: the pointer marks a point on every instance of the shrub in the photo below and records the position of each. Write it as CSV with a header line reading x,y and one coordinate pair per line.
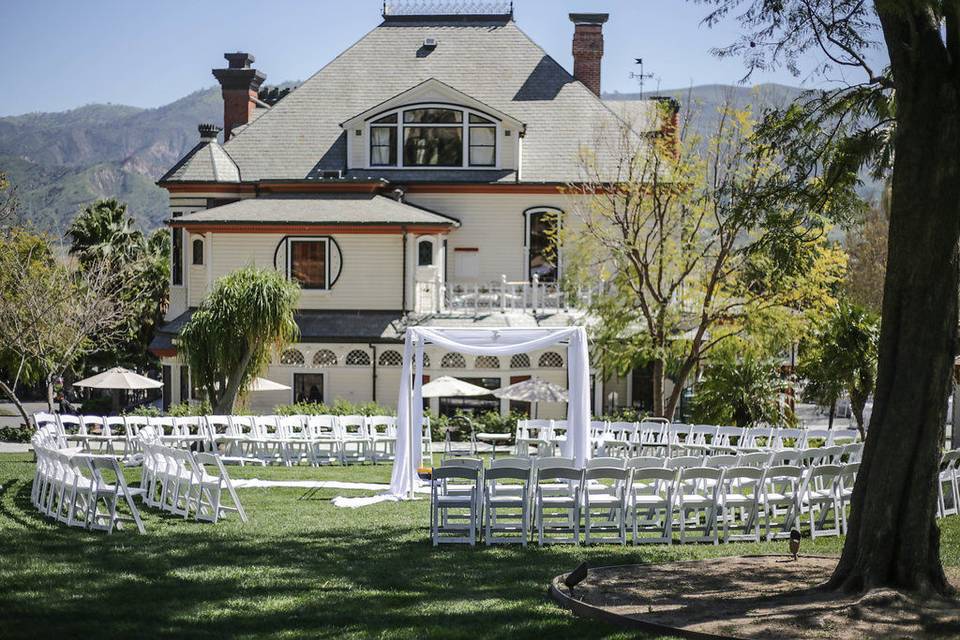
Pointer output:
x,y
340,407
19,433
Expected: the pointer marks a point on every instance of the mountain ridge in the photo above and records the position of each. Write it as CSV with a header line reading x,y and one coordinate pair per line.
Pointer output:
x,y
61,161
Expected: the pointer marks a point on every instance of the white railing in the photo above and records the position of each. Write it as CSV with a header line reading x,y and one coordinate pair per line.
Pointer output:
x,y
454,298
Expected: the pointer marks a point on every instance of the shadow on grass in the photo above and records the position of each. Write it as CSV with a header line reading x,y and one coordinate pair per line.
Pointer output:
x,y
297,578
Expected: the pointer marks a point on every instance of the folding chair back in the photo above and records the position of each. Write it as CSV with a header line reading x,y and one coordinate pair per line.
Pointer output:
x,y
522,464
645,462
839,437
721,461
683,462
607,461
759,459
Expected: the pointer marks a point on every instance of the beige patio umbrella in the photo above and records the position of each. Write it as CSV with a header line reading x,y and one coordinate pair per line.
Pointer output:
x,y
118,379
262,384
534,390
447,387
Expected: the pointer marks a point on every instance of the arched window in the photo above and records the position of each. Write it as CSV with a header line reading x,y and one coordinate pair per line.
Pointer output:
x,y
426,360
424,252
198,251
292,357
453,361
541,244
324,358
433,136
390,359
358,358
487,362
551,360
520,361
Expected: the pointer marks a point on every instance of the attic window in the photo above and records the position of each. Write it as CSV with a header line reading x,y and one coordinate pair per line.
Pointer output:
x,y
433,136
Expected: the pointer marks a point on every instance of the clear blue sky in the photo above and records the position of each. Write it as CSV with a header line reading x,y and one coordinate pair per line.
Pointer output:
x,y
60,54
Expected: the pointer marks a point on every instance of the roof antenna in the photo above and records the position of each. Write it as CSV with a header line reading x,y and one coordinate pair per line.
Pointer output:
x,y
640,77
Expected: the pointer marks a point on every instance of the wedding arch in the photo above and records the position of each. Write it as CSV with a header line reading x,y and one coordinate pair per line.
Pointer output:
x,y
486,342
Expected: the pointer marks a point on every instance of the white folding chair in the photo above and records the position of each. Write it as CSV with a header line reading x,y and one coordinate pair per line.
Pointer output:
x,y
947,493
848,477
110,490
462,529
696,500
506,502
383,437
820,499
605,492
557,505
297,443
211,480
722,461
739,504
683,462
780,497
354,438
325,440
651,504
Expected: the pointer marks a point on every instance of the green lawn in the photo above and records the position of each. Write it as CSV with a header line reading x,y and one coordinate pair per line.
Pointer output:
x,y
300,568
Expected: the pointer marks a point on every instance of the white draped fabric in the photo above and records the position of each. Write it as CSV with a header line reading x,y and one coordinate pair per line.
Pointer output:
x,y
485,342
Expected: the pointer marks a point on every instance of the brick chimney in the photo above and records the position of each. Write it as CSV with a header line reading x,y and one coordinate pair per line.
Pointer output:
x,y
588,48
240,84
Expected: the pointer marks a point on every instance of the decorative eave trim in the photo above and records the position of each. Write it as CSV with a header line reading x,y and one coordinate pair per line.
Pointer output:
x,y
276,186
310,229
163,353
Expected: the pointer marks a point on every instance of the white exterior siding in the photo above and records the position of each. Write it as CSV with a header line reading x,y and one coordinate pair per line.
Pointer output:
x,y
494,224
371,275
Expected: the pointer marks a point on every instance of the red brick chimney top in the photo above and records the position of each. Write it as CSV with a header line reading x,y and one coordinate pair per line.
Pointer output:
x,y
239,83
588,48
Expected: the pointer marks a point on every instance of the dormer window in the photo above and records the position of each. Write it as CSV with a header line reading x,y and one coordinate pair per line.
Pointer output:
x,y
433,136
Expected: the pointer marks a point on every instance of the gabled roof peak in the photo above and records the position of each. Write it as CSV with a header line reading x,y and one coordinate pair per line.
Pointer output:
x,y
447,10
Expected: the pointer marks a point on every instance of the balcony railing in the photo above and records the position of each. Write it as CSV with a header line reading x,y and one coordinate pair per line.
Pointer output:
x,y
504,296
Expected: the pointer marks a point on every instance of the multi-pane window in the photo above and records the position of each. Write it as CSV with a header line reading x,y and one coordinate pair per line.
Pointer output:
x,y
308,387
543,261
324,358
433,137
390,359
483,142
308,263
176,254
383,141
425,253
292,357
358,358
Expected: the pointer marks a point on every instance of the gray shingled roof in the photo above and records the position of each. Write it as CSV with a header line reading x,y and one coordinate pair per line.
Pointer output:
x,y
492,61
206,161
346,208
380,326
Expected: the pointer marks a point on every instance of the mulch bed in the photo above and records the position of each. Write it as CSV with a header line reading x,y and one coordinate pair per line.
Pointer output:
x,y
753,597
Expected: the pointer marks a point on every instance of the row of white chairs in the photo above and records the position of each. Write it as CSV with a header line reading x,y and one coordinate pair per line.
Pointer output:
x,y
182,482
286,440
71,486
657,436
550,498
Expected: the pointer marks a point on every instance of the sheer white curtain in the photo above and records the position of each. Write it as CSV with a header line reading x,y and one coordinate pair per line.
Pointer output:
x,y
486,342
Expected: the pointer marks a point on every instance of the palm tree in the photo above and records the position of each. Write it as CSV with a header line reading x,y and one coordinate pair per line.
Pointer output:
x,y
231,337
741,388
844,359
104,230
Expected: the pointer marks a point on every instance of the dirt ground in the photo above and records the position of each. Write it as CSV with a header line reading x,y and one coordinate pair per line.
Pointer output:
x,y
763,597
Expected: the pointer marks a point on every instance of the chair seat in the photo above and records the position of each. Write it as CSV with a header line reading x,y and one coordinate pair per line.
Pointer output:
x,y
737,499
695,499
648,500
596,499
453,501
506,501
558,501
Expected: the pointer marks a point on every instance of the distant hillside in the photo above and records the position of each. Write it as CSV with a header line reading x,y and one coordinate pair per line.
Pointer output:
x,y
61,162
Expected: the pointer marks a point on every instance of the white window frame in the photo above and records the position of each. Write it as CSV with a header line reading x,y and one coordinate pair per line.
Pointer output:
x,y
308,372
327,260
526,239
433,250
465,125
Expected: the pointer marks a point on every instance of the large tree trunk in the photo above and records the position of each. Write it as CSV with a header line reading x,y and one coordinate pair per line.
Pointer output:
x,y
229,397
658,379
893,538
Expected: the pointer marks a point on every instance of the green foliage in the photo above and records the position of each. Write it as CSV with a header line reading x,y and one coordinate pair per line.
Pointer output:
x,y
741,388
231,337
340,407
104,235
843,358
98,405
180,410
15,434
